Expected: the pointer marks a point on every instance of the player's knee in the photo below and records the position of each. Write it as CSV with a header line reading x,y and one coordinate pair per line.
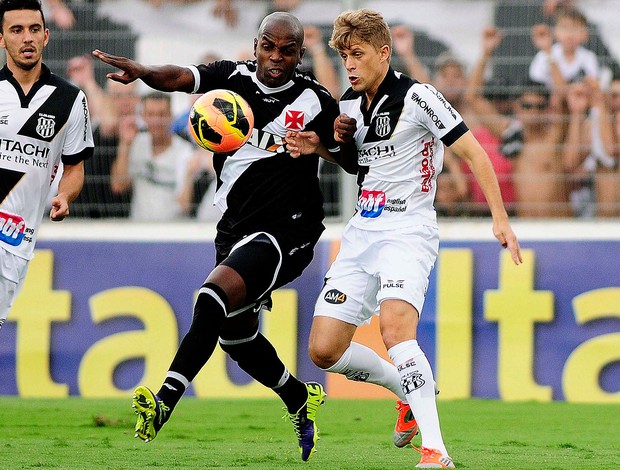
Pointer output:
x,y
323,355
211,302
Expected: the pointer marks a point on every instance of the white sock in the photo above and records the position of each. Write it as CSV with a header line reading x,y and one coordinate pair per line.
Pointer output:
x,y
419,387
361,364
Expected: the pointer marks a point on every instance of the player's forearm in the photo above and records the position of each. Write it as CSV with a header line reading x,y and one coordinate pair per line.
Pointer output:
x,y
168,78
71,182
470,150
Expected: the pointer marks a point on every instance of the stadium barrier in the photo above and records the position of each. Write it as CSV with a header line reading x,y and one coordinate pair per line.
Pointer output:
x,y
105,304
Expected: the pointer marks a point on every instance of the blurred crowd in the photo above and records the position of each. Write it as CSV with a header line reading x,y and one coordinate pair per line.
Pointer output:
x,y
550,127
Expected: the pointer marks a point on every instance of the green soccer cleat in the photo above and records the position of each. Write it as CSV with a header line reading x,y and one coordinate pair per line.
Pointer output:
x,y
152,413
304,421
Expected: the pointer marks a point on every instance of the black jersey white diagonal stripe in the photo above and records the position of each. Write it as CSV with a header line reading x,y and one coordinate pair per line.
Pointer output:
x,y
260,186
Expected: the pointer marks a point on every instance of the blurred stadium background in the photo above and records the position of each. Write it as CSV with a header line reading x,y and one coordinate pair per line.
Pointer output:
x,y
101,292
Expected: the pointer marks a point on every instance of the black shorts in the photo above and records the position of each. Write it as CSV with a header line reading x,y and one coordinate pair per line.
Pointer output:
x,y
266,262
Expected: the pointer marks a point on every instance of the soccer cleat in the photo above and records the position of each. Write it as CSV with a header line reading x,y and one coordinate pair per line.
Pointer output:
x,y
304,421
152,413
432,458
406,426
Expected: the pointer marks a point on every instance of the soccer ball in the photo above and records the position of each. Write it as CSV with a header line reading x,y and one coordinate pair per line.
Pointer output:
x,y
221,121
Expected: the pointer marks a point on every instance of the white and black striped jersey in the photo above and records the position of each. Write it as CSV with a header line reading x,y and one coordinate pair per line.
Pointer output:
x,y
400,141
260,187
37,131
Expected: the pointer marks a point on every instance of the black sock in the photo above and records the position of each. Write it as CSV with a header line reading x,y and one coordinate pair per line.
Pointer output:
x,y
198,344
293,393
171,392
260,360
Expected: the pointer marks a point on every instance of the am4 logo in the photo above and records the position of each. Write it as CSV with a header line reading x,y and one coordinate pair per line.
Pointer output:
x,y
334,296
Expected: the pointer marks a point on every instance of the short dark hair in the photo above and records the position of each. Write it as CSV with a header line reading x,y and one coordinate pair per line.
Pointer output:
x,y
10,5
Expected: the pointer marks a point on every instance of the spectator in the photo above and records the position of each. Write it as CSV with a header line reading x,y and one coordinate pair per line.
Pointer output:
x,y
566,60
539,177
590,152
450,79
403,40
108,108
197,190
495,135
59,13
529,135
323,67
152,161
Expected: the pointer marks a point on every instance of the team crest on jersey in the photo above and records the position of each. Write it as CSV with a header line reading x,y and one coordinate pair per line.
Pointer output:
x,y
382,125
46,126
294,120
4,120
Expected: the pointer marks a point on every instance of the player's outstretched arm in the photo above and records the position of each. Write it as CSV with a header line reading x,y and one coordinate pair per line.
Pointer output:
x,y
468,148
163,77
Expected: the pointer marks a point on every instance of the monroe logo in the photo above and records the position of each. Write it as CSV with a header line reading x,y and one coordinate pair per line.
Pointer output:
x,y
45,127
85,112
443,101
382,126
427,109
334,296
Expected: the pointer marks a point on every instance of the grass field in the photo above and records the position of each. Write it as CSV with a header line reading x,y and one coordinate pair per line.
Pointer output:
x,y
87,434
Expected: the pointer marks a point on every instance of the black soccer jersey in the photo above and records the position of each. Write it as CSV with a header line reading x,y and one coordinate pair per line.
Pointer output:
x,y
260,187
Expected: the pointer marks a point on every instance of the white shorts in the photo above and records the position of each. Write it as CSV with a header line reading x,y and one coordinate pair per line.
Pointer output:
x,y
12,274
373,266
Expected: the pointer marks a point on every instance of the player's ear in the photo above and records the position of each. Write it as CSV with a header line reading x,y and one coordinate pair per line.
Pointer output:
x,y
302,51
255,46
385,52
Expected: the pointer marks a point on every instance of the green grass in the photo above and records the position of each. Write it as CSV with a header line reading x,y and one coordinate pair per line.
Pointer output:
x,y
83,434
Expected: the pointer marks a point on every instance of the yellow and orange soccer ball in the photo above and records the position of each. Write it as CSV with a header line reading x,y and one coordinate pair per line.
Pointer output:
x,y
221,121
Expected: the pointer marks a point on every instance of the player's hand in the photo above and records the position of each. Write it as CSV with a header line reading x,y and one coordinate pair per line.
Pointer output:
x,y
503,232
132,70
344,128
60,208
302,143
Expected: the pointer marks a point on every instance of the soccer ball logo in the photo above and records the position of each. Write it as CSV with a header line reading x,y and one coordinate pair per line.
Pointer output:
x,y
221,121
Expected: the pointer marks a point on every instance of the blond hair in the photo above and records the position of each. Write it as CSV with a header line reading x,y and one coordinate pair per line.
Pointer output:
x,y
355,26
